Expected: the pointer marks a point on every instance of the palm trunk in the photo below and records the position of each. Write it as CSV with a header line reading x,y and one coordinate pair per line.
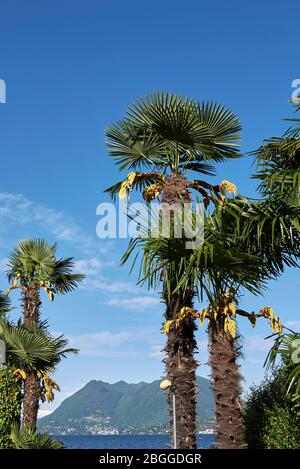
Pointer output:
x,y
31,401
31,305
226,384
31,313
181,344
181,371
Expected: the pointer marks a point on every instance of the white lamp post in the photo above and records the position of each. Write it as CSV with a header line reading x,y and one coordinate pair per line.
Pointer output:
x,y
167,384
2,352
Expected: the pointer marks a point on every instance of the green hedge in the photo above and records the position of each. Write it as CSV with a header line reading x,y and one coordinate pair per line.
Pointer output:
x,y
271,422
10,405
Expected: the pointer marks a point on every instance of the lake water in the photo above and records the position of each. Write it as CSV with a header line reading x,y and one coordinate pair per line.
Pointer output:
x,y
126,441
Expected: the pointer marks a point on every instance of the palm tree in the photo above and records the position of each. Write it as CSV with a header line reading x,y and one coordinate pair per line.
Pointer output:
x,y
218,269
214,270
229,224
171,136
33,353
287,347
33,266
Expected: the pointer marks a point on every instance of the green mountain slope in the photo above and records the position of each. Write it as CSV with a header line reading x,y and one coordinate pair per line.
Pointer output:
x,y
120,407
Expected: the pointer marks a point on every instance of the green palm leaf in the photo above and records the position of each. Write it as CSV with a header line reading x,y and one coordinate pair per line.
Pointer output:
x,y
30,439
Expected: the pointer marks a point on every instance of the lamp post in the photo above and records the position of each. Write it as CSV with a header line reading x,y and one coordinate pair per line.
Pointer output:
x,y
167,384
2,352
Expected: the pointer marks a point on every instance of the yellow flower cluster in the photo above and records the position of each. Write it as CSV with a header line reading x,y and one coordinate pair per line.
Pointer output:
x,y
19,374
274,321
183,313
126,185
228,310
43,284
227,186
49,385
151,192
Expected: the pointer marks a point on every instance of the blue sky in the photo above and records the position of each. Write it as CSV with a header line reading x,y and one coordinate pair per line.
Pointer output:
x,y
71,68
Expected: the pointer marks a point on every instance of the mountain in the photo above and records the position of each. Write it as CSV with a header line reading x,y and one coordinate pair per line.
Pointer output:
x,y
100,408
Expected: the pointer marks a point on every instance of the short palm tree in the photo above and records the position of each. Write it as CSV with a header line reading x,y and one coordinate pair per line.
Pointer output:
x,y
168,136
33,266
33,352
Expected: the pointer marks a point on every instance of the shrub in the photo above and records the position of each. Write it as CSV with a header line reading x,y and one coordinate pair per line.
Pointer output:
x,y
270,418
10,405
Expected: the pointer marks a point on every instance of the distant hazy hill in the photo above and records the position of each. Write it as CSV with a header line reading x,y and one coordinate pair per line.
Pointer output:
x,y
120,407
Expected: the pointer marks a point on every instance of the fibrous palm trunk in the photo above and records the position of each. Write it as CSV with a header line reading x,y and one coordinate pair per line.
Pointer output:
x,y
181,371
31,313
226,384
31,401
180,363
31,305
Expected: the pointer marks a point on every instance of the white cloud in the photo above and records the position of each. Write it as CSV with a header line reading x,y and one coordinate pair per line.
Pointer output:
x,y
103,284
15,209
293,325
3,264
89,266
134,303
102,344
258,343
44,412
156,351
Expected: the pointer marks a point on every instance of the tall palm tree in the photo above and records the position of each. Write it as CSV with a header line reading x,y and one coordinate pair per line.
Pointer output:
x,y
218,269
170,136
33,352
33,266
213,270
230,225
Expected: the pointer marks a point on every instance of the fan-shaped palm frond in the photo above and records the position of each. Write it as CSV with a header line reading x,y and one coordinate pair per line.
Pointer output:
x,y
168,261
5,306
33,347
30,439
278,161
287,347
34,261
268,229
63,278
168,132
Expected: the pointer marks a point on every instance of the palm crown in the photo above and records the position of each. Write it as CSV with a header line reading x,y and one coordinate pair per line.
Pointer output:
x,y
34,262
279,165
170,135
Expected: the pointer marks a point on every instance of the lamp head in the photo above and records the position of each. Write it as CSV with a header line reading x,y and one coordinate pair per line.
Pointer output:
x,y
165,384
